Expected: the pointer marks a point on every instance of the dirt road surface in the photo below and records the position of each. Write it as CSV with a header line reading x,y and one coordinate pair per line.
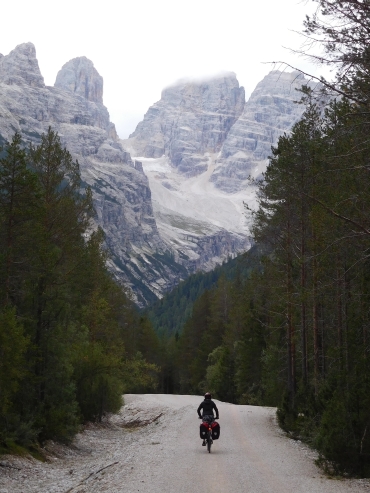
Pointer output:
x,y
153,446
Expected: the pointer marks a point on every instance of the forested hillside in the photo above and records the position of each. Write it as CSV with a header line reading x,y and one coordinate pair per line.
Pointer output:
x,y
296,332
71,341
287,325
169,314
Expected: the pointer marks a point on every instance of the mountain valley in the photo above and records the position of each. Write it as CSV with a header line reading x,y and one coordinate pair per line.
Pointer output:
x,y
170,199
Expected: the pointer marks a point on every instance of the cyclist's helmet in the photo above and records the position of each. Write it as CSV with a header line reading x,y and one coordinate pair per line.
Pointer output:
x,y
207,395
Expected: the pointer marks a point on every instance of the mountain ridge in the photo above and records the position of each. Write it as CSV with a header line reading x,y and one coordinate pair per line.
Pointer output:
x,y
198,180
177,205
121,193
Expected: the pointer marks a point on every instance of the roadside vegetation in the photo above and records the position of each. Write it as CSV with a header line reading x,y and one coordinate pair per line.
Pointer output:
x,y
71,341
295,333
286,325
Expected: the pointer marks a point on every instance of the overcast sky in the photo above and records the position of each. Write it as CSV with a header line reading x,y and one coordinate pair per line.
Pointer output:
x,y
142,46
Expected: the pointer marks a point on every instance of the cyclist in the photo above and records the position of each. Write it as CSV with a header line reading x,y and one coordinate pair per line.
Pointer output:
x,y
208,406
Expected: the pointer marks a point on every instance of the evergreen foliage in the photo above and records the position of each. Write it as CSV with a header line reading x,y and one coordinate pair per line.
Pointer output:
x,y
169,314
71,341
182,320
295,333
288,325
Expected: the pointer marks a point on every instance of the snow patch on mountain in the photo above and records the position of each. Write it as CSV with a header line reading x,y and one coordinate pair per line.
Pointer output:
x,y
188,210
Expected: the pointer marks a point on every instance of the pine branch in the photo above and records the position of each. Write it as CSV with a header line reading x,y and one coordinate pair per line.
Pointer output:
x,y
322,81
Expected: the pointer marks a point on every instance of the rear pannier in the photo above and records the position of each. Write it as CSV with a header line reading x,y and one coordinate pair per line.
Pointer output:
x,y
215,430
203,430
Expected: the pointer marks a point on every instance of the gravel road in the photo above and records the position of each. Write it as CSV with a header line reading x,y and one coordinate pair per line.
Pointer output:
x,y
153,446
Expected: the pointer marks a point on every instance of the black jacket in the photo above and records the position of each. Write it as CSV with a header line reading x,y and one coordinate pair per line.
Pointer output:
x,y
208,406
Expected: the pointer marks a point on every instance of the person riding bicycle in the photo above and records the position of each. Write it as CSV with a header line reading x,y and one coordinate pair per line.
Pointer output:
x,y
207,406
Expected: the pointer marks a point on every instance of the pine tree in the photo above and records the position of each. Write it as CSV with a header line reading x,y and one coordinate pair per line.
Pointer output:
x,y
18,203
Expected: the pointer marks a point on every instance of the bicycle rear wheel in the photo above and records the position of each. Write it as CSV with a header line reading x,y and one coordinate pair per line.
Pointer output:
x,y
209,442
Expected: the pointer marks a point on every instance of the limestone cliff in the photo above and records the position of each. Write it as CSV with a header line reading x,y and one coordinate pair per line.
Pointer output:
x,y
21,67
198,145
80,77
271,110
192,119
122,197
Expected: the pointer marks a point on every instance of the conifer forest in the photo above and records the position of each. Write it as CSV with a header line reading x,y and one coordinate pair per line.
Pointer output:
x,y
71,341
287,324
294,331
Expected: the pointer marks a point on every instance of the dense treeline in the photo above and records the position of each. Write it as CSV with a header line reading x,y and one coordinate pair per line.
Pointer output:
x,y
296,334
70,340
169,314
314,209
179,313
220,346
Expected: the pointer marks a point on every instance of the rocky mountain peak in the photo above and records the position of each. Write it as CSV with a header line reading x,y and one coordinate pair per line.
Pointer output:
x,y
271,110
21,67
199,144
80,77
138,257
220,94
192,119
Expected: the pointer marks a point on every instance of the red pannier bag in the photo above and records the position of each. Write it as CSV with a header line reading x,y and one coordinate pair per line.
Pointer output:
x,y
215,430
203,430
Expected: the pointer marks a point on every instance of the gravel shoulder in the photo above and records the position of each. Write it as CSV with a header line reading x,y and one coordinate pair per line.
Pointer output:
x,y
153,446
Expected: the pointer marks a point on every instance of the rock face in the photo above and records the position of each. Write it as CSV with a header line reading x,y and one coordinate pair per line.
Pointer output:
x,y
27,105
122,198
192,119
21,67
200,143
80,77
197,146
270,111
199,125
178,141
